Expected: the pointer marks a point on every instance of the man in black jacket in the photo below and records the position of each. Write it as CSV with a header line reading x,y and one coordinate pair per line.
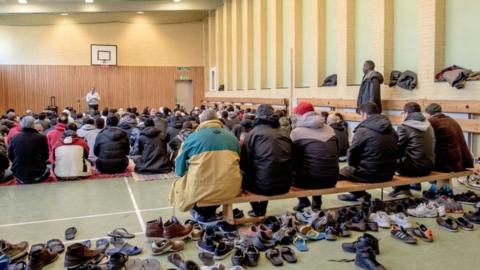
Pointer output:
x,y
372,155
153,150
370,87
5,173
266,159
28,152
416,146
111,148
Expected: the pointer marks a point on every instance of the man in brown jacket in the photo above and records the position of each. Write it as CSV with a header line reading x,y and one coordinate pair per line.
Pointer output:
x,y
451,150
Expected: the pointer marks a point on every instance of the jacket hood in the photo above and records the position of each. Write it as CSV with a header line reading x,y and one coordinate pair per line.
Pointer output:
x,y
114,133
246,123
210,124
417,121
378,123
70,140
150,132
177,122
125,125
309,120
373,74
87,127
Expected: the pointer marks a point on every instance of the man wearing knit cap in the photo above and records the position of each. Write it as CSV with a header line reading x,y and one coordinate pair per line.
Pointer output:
x,y
266,159
315,154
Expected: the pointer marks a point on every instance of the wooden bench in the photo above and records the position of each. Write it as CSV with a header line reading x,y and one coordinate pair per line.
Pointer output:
x,y
341,187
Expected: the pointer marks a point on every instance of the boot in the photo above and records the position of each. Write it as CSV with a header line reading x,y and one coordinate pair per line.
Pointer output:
x,y
365,259
154,230
367,240
78,254
40,256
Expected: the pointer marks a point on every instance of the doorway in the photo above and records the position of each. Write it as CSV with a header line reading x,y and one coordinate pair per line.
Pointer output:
x,y
184,94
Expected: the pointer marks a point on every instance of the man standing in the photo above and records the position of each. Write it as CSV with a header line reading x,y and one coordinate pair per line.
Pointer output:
x,y
93,98
370,87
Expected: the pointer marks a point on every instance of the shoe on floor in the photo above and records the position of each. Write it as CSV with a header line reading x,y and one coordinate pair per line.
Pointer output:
x,y
423,210
448,224
422,232
401,234
14,251
160,247
473,217
464,224
40,256
173,229
117,261
364,241
349,197
400,192
365,259
154,230
207,245
222,251
401,220
381,218
78,254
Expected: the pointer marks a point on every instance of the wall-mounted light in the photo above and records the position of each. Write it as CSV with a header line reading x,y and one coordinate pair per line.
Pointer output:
x,y
22,2
140,12
89,1
177,1
64,14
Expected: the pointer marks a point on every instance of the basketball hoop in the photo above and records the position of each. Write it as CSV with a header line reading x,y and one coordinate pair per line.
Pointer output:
x,y
104,66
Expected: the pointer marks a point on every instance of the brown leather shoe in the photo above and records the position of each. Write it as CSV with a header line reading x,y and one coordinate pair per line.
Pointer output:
x,y
78,254
14,251
173,229
154,230
40,256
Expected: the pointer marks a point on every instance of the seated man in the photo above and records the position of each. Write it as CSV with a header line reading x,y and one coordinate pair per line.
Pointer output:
x,y
15,129
57,134
88,125
111,148
152,149
91,136
70,156
266,159
28,152
451,150
208,163
5,173
315,154
372,155
340,127
416,146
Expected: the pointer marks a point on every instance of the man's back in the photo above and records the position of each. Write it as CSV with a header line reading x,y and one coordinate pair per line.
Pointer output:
x,y
451,150
28,152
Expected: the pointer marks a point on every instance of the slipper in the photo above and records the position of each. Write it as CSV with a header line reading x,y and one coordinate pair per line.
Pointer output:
x,y
117,242
55,245
121,233
315,236
300,244
21,265
134,265
87,243
288,255
125,248
150,264
70,233
102,244
273,255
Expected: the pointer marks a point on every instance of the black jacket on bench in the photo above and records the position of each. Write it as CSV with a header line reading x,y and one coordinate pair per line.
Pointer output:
x,y
315,152
373,153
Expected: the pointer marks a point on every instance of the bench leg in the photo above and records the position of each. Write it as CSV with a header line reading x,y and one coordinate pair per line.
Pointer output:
x,y
228,214
381,194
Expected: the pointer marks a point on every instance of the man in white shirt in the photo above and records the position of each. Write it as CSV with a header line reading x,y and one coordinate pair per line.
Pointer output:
x,y
93,98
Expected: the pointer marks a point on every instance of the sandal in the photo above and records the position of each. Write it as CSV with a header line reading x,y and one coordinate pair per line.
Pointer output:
x,y
87,243
121,233
300,244
274,256
315,236
102,244
70,233
21,265
125,248
150,264
55,245
134,265
288,254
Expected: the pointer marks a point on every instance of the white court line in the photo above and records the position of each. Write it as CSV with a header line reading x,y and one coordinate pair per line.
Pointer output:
x,y
94,239
135,206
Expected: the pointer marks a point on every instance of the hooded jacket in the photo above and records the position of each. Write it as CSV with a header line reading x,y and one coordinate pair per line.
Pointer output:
x,y
134,137
54,136
71,158
153,150
174,127
373,152
84,130
370,89
161,123
267,158
451,150
208,163
175,143
127,126
90,138
242,129
341,132
315,152
416,146
111,148
14,131
4,162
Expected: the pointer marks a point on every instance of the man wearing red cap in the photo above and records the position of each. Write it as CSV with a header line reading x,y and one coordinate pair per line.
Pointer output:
x,y
315,154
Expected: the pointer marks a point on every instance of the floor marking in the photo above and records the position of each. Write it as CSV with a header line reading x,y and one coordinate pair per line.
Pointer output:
x,y
94,239
156,209
135,206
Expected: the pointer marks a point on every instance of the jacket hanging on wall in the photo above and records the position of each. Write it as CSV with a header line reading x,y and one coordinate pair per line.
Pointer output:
x,y
457,76
331,80
406,80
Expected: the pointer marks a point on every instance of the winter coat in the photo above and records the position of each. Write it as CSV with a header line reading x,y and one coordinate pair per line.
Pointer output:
x,y
370,89
208,163
416,146
373,152
28,152
111,148
315,152
127,126
285,125
451,150
331,80
133,139
54,136
90,138
81,132
174,128
14,131
153,150
4,162
175,143
341,132
241,129
71,158
161,123
267,160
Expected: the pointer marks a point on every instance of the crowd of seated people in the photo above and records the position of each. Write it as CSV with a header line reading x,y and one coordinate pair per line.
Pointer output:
x,y
220,150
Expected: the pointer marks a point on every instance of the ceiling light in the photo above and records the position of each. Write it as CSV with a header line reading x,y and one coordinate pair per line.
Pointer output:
x,y
89,1
140,12
177,1
22,2
64,14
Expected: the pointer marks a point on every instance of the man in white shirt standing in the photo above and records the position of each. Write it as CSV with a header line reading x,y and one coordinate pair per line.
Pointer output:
x,y
93,98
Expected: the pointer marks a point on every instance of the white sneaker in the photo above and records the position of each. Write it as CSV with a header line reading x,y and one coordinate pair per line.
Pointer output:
x,y
381,218
424,211
401,220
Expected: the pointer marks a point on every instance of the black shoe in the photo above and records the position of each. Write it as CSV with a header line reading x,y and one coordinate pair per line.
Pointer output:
x,y
377,205
207,245
400,192
349,197
251,256
343,230
302,204
366,259
238,257
416,187
472,217
272,223
317,203
464,224
222,251
366,240
117,261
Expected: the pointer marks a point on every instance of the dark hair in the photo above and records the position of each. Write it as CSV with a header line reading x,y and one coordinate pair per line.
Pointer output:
x,y
72,126
63,118
369,108
412,107
224,114
42,116
132,116
324,115
433,108
187,124
88,121
112,120
129,110
149,122
105,111
370,63
99,123
339,115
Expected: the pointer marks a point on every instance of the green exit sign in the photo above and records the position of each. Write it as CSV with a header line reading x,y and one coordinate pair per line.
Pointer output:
x,y
184,68
184,78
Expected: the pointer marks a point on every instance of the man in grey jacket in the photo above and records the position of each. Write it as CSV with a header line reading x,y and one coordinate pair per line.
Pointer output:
x,y
370,87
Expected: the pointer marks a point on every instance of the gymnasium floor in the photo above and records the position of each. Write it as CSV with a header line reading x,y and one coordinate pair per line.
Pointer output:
x,y
38,213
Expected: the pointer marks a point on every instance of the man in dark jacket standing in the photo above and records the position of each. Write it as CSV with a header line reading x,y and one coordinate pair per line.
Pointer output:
x,y
451,150
315,154
266,159
372,155
370,87
153,150
416,146
111,148
28,152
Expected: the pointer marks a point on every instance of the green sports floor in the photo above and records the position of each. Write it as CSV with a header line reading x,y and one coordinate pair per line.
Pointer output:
x,y
38,213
